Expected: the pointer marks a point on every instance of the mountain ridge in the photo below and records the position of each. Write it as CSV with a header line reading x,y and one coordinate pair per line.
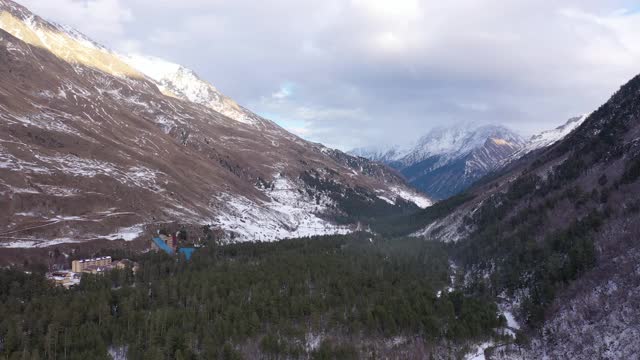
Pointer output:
x,y
102,151
447,160
547,138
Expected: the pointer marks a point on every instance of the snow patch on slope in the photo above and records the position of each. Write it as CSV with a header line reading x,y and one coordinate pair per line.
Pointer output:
x,y
549,137
414,197
76,166
397,192
446,230
127,233
15,239
290,213
478,352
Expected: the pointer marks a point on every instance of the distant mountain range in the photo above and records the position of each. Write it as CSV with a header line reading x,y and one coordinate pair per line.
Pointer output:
x,y
447,160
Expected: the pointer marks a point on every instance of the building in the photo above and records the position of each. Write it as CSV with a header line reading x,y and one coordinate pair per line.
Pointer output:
x,y
169,246
187,252
158,243
172,241
64,278
78,266
99,265
164,243
126,263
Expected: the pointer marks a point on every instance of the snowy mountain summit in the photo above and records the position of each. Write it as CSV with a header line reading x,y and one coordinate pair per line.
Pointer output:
x,y
459,141
387,154
448,159
183,83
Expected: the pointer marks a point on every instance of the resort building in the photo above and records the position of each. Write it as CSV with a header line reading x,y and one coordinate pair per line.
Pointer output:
x,y
79,266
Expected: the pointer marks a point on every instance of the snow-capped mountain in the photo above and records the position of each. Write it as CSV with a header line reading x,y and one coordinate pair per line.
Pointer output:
x,y
549,137
178,81
388,154
96,145
458,141
447,160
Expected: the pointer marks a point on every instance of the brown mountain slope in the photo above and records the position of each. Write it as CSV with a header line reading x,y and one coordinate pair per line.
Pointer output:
x,y
90,148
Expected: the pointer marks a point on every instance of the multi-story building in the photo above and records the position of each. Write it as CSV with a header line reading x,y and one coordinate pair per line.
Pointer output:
x,y
79,266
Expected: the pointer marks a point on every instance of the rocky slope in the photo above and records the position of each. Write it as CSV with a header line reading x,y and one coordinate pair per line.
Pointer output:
x,y
548,137
92,148
448,160
555,236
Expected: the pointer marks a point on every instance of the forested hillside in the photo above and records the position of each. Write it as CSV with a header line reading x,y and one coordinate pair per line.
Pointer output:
x,y
556,234
334,297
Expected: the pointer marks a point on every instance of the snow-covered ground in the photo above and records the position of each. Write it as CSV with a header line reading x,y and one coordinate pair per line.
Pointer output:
x,y
290,213
452,279
549,137
15,239
26,243
179,81
118,352
312,341
420,200
478,352
447,229
396,192
127,233
511,320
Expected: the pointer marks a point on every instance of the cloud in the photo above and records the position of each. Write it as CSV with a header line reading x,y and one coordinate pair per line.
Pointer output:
x,y
104,19
312,121
607,39
285,91
369,71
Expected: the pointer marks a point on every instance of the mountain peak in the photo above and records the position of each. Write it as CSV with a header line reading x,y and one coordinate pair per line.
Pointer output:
x,y
92,149
155,68
65,43
448,159
458,141
184,83
72,46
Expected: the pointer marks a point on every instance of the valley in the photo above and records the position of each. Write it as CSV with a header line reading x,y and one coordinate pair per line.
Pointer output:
x,y
144,214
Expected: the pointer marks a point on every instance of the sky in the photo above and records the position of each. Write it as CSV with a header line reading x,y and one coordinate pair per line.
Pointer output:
x,y
355,73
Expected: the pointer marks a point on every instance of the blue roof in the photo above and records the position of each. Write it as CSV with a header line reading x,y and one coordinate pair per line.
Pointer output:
x,y
187,252
162,245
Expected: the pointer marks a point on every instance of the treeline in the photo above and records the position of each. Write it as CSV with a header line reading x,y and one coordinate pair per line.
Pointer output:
x,y
272,293
404,224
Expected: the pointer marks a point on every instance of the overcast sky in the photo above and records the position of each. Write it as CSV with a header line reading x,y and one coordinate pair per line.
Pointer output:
x,y
359,72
